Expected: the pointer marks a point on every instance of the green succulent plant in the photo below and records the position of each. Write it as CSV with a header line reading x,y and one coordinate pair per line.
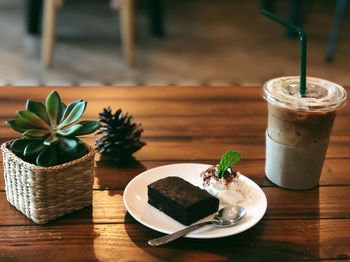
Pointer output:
x,y
50,130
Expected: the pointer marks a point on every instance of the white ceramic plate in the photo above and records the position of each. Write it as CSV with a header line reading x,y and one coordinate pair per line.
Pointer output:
x,y
135,200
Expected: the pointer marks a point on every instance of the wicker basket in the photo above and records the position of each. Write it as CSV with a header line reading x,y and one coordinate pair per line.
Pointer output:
x,y
45,193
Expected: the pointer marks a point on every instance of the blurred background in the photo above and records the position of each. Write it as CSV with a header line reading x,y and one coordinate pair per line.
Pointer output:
x,y
156,42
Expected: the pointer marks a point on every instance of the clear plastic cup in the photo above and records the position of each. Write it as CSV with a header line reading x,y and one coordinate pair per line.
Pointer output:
x,y
299,128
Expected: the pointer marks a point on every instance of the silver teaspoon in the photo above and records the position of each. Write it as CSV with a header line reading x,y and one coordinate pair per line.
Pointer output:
x,y
225,217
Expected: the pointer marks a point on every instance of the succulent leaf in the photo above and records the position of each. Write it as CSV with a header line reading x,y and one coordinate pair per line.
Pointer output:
x,y
34,147
69,109
68,144
61,113
36,132
47,157
19,145
33,119
74,115
39,109
51,140
53,105
80,151
88,127
69,131
20,125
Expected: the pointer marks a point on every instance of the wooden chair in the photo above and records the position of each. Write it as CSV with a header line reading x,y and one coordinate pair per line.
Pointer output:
x,y
51,7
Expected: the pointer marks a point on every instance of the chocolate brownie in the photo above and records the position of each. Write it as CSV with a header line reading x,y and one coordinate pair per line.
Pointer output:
x,y
181,200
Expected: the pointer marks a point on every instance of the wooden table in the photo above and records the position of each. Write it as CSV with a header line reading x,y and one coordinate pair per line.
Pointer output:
x,y
185,124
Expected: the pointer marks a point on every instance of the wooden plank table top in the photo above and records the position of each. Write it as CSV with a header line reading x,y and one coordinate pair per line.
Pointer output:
x,y
185,124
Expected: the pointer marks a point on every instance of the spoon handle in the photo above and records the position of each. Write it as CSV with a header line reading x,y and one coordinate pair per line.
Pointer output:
x,y
167,238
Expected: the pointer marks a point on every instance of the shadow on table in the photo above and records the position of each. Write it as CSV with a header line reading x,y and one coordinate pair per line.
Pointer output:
x,y
197,249
69,238
286,232
115,176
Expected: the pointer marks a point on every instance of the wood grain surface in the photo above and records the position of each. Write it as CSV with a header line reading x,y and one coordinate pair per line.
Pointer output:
x,y
184,124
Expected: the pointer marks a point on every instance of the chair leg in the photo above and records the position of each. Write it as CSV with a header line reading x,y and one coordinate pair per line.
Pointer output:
x,y
295,15
33,16
127,30
269,5
155,13
334,34
49,32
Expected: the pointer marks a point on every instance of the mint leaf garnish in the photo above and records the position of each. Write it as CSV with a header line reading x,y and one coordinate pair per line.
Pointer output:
x,y
229,159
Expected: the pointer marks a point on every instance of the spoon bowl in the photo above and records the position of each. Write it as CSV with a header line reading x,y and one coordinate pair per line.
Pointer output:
x,y
225,217
229,216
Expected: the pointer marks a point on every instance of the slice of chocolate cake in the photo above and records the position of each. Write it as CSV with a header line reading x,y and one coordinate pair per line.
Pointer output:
x,y
181,200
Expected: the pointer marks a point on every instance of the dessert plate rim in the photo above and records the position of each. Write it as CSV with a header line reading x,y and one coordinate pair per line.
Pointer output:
x,y
135,200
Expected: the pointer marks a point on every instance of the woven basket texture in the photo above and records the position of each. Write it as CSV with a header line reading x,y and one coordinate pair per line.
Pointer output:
x,y
46,193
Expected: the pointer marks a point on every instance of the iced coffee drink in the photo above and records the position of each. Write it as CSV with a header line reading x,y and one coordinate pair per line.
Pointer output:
x,y
299,129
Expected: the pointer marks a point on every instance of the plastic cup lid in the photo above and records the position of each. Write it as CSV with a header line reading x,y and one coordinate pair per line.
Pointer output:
x,y
321,95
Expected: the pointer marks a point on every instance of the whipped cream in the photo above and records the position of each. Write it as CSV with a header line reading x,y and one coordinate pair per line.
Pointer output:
x,y
230,188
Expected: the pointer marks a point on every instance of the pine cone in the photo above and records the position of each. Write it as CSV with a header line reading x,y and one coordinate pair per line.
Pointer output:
x,y
120,137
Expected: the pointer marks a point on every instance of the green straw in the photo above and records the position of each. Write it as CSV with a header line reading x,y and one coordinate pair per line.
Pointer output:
x,y
303,41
